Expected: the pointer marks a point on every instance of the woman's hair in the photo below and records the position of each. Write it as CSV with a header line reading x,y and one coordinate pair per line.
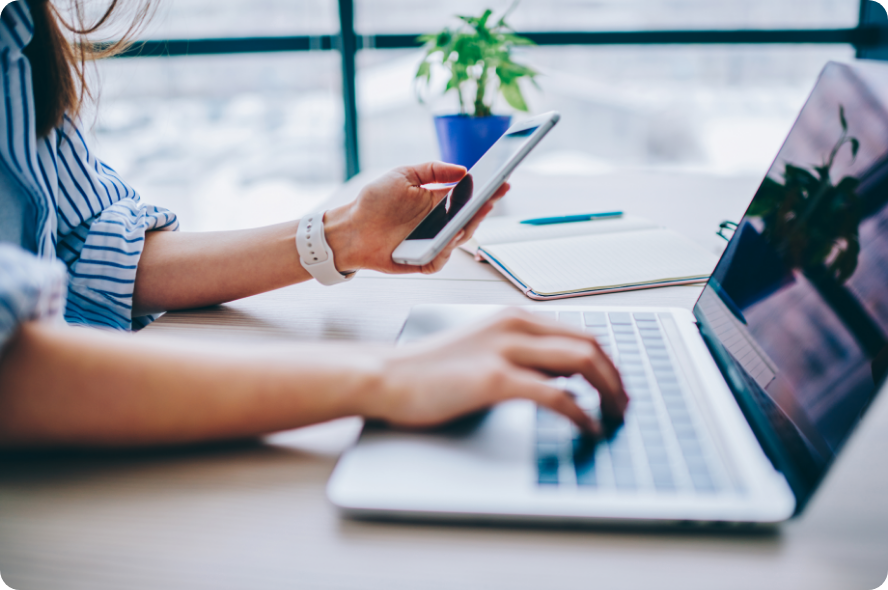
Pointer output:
x,y
60,50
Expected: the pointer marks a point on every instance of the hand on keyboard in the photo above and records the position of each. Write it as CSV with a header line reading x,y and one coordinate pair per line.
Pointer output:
x,y
513,355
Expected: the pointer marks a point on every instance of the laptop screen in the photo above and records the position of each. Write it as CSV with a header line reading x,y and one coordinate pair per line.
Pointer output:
x,y
798,305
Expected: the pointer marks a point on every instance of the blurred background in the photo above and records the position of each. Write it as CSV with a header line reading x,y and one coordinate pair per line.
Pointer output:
x,y
237,140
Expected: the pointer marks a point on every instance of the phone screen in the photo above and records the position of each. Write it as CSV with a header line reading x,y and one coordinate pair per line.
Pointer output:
x,y
481,174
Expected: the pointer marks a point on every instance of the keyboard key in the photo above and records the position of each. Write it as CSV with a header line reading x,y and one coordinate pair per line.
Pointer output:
x,y
595,318
653,332
657,455
598,332
549,315
617,318
665,485
673,398
630,359
635,386
630,347
586,475
671,389
690,447
622,337
624,329
675,405
661,364
572,318
640,394
662,473
638,407
651,437
547,470
696,464
685,432
665,378
657,353
546,417
647,421
625,480
631,369
647,324
584,450
702,482
548,448
654,344
645,316
680,416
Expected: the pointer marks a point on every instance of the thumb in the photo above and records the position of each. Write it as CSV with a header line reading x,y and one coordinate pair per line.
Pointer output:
x,y
434,172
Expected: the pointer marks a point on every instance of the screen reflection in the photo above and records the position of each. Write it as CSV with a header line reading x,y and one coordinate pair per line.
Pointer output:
x,y
800,298
481,175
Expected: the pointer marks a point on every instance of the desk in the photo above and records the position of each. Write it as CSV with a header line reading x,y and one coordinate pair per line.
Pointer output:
x,y
255,515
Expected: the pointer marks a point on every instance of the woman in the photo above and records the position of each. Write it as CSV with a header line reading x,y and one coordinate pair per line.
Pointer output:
x,y
76,240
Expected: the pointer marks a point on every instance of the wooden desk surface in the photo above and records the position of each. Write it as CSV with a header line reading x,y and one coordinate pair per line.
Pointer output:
x,y
255,515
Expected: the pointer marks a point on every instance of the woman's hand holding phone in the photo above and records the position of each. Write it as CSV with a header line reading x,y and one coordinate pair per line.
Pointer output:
x,y
364,233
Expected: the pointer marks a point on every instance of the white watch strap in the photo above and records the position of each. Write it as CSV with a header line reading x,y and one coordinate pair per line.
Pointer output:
x,y
314,254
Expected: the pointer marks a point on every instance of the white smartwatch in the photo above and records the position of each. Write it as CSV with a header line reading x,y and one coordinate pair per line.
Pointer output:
x,y
314,254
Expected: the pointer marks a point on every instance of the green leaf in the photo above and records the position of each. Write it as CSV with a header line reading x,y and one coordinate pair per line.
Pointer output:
x,y
512,94
855,147
474,51
842,118
424,71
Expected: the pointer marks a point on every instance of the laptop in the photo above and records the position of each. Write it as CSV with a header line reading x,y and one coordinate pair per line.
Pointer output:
x,y
738,409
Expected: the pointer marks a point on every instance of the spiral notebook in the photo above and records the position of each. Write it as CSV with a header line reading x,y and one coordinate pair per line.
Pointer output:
x,y
590,257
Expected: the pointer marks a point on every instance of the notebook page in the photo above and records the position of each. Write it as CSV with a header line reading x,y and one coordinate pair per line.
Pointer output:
x,y
601,261
501,230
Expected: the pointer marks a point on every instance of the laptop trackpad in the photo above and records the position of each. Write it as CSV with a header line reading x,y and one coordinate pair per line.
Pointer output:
x,y
452,468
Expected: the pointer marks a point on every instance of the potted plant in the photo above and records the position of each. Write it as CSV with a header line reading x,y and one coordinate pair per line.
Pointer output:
x,y
478,58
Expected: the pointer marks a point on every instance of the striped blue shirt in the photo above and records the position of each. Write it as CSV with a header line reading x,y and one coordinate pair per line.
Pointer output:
x,y
86,215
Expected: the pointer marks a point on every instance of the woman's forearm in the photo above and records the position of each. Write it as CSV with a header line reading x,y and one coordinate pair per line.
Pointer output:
x,y
187,270
78,387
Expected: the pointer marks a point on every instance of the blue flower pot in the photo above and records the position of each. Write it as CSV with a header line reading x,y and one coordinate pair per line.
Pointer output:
x,y
464,139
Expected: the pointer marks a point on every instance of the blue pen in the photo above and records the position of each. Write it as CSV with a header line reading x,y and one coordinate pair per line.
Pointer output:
x,y
572,218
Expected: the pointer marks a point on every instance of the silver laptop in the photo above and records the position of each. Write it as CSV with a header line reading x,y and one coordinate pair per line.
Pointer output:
x,y
737,410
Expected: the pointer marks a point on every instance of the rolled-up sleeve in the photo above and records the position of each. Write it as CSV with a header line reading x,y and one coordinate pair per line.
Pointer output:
x,y
102,227
108,248
31,289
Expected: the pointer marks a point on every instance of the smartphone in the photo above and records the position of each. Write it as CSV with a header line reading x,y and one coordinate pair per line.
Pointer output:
x,y
468,196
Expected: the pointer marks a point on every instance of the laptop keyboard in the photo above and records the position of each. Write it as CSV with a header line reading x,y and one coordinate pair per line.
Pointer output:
x,y
660,447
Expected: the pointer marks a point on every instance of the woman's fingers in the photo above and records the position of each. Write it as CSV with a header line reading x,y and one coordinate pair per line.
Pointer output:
x,y
441,259
482,213
560,355
560,350
534,386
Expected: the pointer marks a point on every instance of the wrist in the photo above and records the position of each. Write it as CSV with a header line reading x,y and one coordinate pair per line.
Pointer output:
x,y
368,389
340,235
